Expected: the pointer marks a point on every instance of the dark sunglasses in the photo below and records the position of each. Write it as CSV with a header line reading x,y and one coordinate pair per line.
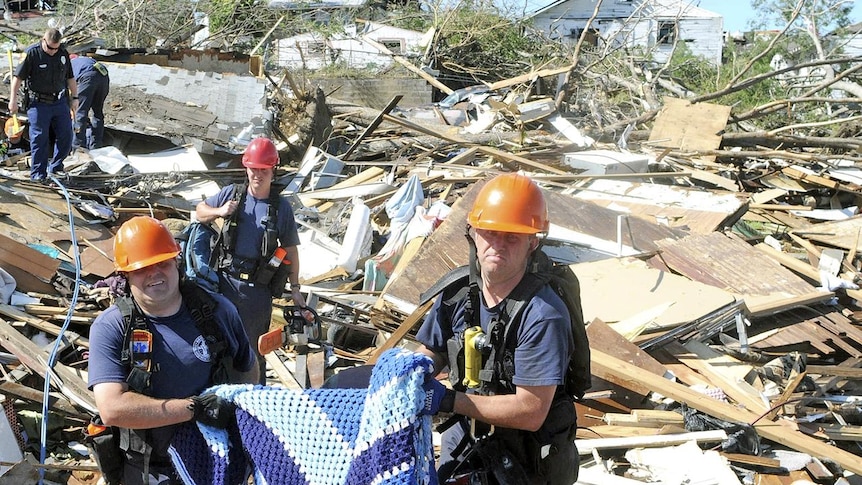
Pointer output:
x,y
48,47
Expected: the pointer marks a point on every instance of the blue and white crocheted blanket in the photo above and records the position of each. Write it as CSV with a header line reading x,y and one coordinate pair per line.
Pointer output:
x,y
318,436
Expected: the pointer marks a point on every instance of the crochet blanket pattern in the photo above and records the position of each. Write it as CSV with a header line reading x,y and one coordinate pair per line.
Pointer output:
x,y
318,436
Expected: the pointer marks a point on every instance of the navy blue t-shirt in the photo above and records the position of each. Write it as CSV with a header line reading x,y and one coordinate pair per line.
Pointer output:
x,y
250,229
46,74
544,339
181,352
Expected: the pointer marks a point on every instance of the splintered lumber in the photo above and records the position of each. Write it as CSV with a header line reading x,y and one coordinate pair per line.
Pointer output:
x,y
720,369
647,418
411,321
586,447
47,327
751,459
836,432
615,370
64,378
834,370
284,375
407,64
810,178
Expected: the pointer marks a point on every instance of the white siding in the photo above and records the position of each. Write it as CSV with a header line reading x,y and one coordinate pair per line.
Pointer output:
x,y
318,52
636,24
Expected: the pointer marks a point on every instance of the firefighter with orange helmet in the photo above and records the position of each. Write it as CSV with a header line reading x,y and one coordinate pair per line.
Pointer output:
x,y
258,221
152,353
507,349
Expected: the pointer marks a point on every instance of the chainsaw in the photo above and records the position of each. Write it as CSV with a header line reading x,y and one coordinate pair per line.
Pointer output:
x,y
302,328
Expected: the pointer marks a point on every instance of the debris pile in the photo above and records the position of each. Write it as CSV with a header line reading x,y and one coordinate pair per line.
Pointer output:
x,y
719,272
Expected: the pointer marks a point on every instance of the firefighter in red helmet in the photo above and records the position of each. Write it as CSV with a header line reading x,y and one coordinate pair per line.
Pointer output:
x,y
258,221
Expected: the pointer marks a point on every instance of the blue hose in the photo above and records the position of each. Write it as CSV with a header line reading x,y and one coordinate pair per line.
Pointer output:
x,y
43,439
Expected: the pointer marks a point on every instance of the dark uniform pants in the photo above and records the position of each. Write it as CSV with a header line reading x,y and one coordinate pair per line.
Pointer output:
x,y
46,119
93,89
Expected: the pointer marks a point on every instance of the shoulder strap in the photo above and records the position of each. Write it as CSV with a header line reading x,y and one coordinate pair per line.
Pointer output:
x,y
269,243
132,319
202,305
499,369
240,192
456,277
222,250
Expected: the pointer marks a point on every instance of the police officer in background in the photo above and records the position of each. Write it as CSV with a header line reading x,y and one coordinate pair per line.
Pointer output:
x,y
154,351
93,87
51,92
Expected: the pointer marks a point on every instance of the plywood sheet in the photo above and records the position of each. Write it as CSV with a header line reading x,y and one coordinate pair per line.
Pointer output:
x,y
698,211
730,263
686,126
604,282
841,234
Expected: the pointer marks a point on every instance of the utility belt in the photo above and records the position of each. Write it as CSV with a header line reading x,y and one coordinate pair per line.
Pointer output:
x,y
101,68
115,448
494,455
49,98
273,273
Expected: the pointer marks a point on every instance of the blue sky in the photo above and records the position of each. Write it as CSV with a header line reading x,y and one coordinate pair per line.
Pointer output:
x,y
737,13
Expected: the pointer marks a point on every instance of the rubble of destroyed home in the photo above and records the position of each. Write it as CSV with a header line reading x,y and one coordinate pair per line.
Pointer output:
x,y
719,266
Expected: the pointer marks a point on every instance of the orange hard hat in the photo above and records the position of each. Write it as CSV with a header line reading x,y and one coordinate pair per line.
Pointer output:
x,y
260,153
510,203
143,241
12,133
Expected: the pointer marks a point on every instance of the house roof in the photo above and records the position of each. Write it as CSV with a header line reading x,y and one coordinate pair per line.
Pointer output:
x,y
675,8
662,8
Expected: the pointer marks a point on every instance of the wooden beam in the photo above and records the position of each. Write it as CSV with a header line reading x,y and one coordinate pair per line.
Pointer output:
x,y
38,323
615,370
66,379
834,370
410,67
586,447
523,161
529,77
372,126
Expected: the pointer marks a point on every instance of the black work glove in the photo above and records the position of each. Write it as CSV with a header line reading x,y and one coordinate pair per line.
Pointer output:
x,y
212,410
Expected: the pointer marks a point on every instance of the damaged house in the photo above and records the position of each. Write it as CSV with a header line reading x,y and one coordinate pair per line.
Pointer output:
x,y
654,26
350,49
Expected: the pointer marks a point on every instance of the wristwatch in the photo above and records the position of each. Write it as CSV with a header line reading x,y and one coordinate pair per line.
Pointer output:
x,y
295,286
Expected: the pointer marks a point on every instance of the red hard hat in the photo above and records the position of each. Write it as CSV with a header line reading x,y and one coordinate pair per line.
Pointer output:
x,y
510,203
143,241
260,153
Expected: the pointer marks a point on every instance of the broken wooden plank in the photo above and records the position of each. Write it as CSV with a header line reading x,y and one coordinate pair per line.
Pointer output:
x,y
47,327
59,404
407,64
810,178
31,269
66,379
586,447
372,126
411,321
740,391
616,370
835,370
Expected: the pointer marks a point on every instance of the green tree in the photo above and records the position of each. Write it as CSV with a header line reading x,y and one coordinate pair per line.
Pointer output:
x,y
474,42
